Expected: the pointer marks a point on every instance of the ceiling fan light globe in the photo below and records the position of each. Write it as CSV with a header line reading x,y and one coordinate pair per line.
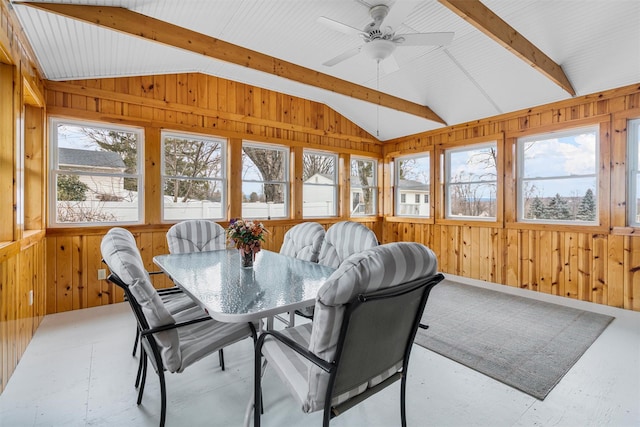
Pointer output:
x,y
379,49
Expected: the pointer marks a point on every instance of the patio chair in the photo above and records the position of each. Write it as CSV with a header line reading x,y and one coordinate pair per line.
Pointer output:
x,y
170,343
366,317
342,240
178,303
196,235
303,241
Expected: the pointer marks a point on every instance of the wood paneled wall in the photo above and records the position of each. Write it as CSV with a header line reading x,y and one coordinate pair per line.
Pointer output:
x,y
22,263
598,264
195,103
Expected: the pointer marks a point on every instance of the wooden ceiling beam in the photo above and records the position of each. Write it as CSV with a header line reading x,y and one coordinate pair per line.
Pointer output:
x,y
481,17
136,24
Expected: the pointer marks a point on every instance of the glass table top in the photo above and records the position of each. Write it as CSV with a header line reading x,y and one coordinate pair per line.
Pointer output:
x,y
230,293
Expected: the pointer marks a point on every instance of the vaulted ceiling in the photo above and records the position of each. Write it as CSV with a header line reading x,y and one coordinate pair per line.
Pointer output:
x,y
505,55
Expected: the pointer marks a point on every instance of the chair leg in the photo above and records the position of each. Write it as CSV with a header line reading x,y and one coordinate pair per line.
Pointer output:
x,y
163,398
135,342
326,417
140,362
221,357
144,377
257,388
403,394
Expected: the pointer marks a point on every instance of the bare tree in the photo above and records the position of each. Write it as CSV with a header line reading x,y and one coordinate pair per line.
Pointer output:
x,y
270,164
317,163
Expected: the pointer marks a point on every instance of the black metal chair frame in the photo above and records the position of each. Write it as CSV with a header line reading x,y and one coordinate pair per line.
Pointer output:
x,y
347,371
151,347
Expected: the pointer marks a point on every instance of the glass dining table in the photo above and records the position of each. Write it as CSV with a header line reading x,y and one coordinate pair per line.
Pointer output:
x,y
230,293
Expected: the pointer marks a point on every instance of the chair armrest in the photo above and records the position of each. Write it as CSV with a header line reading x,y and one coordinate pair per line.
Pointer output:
x,y
304,352
173,326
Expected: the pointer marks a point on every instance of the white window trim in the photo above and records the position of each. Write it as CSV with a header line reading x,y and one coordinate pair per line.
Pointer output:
x,y
374,186
396,181
54,171
334,185
222,180
633,149
520,171
448,184
285,150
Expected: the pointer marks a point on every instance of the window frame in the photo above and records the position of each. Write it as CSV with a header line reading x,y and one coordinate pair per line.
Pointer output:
x,y
54,171
596,129
373,186
633,171
224,174
334,185
447,180
286,151
397,196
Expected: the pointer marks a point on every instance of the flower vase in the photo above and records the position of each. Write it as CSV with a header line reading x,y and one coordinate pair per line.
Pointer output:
x,y
246,259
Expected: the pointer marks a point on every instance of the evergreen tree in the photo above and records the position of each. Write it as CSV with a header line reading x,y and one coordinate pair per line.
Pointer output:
x,y
537,209
587,208
558,208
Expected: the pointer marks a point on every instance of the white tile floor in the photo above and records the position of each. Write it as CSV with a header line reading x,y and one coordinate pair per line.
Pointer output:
x,y
78,371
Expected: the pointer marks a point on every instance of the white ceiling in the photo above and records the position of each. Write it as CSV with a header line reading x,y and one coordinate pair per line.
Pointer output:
x,y
597,43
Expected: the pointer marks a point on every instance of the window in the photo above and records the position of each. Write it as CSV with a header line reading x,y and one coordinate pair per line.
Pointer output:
x,y
557,177
471,182
412,177
265,181
193,177
633,133
364,186
320,184
96,173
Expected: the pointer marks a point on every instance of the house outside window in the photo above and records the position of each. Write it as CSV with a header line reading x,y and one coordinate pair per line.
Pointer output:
x,y
633,147
193,177
413,183
265,181
364,186
96,174
471,182
557,177
320,184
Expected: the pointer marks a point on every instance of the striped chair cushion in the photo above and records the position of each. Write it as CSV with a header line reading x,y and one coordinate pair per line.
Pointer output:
x,y
294,368
377,268
303,241
344,239
196,235
119,251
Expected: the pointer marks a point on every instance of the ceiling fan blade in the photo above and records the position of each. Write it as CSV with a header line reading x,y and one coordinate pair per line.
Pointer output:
x,y
424,39
389,65
398,13
339,26
344,55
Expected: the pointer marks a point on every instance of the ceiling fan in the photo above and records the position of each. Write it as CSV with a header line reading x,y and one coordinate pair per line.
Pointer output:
x,y
380,38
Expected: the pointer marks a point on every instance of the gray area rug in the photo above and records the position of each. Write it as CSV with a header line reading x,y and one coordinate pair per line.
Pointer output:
x,y
527,344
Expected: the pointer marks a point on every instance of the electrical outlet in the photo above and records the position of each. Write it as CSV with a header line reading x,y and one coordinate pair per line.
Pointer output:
x,y
102,274
31,297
